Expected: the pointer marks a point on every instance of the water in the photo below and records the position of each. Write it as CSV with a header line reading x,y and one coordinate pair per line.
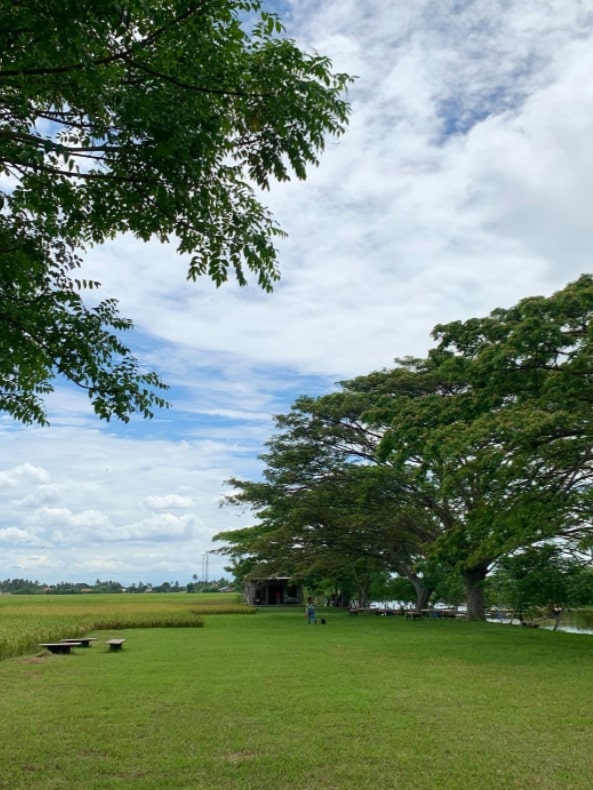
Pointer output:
x,y
570,622
576,623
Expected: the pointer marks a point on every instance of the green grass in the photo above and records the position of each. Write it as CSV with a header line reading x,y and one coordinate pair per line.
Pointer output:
x,y
268,702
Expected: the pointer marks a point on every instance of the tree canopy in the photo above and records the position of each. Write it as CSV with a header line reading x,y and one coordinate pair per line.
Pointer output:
x,y
160,119
444,466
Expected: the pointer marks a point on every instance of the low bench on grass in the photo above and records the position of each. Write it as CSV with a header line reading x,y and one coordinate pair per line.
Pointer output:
x,y
115,644
83,641
59,647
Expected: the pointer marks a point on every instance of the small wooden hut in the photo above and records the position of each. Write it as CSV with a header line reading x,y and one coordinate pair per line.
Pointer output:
x,y
272,591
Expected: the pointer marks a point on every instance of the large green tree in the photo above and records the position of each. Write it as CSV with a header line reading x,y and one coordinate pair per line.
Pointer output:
x,y
160,119
326,507
529,376
470,461
499,427
449,463
531,581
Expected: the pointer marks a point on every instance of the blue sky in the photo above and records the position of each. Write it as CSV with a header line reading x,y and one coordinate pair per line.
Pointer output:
x,y
464,183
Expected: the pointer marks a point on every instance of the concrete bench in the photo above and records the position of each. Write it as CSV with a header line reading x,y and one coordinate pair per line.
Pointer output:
x,y
59,647
115,644
83,641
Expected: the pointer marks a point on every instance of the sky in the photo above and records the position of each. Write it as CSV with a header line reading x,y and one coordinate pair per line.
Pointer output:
x,y
464,183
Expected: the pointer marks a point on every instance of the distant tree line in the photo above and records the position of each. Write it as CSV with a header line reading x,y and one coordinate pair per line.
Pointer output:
x,y
28,587
443,476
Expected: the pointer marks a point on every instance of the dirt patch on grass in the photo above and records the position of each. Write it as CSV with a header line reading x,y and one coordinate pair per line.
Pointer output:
x,y
238,757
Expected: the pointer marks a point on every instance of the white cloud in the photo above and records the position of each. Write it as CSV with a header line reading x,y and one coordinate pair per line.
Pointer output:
x,y
48,516
161,527
88,519
23,474
17,536
167,502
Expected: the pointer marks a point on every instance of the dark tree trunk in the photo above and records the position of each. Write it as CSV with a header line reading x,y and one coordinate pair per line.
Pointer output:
x,y
344,594
422,598
423,591
363,595
473,579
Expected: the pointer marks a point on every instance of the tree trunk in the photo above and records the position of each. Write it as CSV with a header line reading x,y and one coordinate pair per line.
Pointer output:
x,y
363,595
421,588
423,591
473,579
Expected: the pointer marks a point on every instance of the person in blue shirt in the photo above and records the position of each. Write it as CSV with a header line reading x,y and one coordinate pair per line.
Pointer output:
x,y
311,615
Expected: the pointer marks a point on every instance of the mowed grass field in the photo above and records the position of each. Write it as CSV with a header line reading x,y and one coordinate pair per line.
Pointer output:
x,y
267,702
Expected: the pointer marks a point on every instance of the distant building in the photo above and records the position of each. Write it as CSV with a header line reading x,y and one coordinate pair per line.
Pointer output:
x,y
272,591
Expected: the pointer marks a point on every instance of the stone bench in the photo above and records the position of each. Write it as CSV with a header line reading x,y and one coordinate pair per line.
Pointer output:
x,y
83,641
59,647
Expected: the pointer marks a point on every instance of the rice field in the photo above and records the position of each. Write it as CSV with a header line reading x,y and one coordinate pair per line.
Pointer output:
x,y
27,620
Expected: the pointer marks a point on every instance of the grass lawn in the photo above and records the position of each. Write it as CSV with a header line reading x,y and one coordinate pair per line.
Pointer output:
x,y
267,702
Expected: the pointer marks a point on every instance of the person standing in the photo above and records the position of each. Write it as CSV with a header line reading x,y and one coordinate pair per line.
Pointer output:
x,y
310,611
